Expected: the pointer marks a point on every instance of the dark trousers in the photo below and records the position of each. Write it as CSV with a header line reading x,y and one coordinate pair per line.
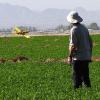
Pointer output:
x,y
81,73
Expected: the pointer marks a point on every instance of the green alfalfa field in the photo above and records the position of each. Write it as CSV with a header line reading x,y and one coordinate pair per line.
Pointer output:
x,y
45,75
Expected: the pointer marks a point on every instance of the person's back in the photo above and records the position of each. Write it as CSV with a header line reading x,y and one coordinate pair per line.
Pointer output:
x,y
81,34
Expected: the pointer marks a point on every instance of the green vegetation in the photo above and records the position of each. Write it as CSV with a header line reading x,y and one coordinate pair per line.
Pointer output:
x,y
39,80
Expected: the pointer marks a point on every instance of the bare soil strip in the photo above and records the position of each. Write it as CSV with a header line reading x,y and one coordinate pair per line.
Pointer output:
x,y
16,59
48,60
94,59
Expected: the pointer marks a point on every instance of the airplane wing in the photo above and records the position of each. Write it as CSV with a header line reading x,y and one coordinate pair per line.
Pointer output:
x,y
17,30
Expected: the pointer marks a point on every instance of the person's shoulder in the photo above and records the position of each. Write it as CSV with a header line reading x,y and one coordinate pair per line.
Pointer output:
x,y
74,29
84,27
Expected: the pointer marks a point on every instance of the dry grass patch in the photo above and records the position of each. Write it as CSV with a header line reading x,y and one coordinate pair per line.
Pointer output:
x,y
64,60
56,40
48,60
95,44
15,59
97,59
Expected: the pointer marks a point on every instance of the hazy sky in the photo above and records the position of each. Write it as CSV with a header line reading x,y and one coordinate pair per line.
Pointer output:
x,y
61,4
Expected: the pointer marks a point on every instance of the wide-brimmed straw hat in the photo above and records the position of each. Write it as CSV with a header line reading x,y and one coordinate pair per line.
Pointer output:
x,y
73,17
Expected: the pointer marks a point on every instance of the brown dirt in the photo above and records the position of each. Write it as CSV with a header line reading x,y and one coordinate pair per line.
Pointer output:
x,y
64,60
3,60
16,59
45,46
97,59
94,44
48,60
56,40
55,60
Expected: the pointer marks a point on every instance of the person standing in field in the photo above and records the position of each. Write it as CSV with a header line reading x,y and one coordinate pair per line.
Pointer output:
x,y
80,50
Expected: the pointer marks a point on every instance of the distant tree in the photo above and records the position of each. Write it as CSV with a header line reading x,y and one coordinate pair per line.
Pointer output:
x,y
94,26
60,28
69,27
30,28
33,29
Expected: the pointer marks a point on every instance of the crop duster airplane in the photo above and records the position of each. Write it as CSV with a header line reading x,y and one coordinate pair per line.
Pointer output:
x,y
18,31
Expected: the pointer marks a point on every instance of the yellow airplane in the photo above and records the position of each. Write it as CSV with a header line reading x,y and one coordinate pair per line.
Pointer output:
x,y
18,31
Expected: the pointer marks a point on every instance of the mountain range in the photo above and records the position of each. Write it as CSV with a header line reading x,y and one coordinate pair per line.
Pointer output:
x,y
14,15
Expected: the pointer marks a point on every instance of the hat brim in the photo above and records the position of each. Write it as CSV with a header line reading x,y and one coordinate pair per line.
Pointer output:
x,y
72,20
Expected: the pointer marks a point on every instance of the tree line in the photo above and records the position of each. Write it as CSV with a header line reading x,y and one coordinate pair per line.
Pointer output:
x,y
29,28
63,28
59,28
